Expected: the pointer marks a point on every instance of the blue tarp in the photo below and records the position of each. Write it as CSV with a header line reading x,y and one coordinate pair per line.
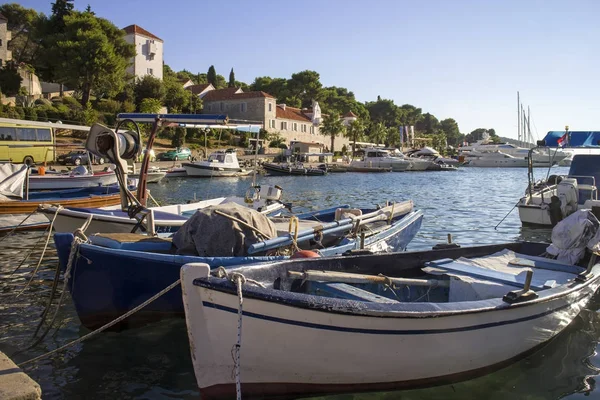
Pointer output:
x,y
576,138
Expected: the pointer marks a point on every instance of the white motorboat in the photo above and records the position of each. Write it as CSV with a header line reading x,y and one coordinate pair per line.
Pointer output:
x,y
314,326
78,178
431,154
549,201
381,158
264,199
219,163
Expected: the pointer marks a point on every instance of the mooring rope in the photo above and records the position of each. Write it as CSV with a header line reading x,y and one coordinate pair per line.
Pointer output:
x,y
17,227
105,327
238,280
37,267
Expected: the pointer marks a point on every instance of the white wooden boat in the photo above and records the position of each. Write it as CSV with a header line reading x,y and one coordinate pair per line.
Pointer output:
x,y
76,179
333,325
549,201
167,219
219,163
380,158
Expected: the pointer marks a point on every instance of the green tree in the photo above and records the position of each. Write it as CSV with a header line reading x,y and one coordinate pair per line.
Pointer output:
x,y
231,82
24,24
149,87
178,139
60,9
383,111
378,133
150,106
354,132
177,99
305,86
332,127
211,76
93,55
10,80
450,128
428,124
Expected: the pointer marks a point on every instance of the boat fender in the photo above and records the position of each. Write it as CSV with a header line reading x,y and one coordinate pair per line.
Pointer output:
x,y
555,211
305,254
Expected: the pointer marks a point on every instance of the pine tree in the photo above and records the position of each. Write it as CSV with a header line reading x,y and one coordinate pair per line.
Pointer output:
x,y
211,76
231,79
60,9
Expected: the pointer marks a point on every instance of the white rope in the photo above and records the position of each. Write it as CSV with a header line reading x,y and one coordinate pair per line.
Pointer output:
x,y
37,267
108,325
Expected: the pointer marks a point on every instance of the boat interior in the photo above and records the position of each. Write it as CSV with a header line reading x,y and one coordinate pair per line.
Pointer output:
x,y
439,276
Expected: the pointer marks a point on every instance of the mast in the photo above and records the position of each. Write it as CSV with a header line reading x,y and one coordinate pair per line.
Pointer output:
x,y
518,118
529,127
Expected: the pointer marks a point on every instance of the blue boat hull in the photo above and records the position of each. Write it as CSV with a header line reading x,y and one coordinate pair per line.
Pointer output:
x,y
105,282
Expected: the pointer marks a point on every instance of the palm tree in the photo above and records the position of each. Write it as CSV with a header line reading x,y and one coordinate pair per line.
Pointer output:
x,y
378,133
332,126
355,132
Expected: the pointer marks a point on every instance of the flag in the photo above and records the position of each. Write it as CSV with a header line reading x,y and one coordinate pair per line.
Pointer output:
x,y
401,134
563,141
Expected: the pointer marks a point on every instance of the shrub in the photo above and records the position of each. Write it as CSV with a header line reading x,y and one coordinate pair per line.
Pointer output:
x,y
109,106
72,103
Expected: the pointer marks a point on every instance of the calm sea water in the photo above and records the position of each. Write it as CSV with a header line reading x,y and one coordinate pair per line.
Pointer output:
x,y
154,362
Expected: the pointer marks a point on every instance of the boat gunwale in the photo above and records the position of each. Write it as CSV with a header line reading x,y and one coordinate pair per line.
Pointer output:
x,y
388,310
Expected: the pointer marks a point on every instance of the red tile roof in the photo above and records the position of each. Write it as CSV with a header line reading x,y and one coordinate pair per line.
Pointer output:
x,y
350,114
197,89
291,113
140,31
233,94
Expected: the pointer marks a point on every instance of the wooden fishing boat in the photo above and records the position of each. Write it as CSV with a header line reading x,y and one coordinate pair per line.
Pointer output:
x,y
345,324
117,272
96,197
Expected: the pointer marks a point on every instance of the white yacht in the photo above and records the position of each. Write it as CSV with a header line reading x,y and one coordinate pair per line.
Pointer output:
x,y
381,158
540,156
495,159
219,163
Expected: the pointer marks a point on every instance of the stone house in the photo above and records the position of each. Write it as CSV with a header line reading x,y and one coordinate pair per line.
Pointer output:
x,y
293,124
201,89
5,37
148,59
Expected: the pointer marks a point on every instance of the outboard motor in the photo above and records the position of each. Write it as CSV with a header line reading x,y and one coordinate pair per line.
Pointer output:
x,y
555,211
568,194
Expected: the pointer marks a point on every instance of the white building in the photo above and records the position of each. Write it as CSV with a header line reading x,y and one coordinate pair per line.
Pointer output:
x,y
148,58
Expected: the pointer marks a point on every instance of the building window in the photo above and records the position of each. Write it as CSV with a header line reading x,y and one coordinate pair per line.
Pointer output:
x,y
150,71
208,107
270,107
295,127
312,130
0,42
284,126
243,107
272,123
222,107
303,128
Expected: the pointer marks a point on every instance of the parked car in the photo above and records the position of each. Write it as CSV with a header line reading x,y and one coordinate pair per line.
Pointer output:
x,y
181,153
79,157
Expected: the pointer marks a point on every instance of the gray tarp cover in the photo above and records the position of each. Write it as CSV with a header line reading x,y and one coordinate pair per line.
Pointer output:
x,y
209,234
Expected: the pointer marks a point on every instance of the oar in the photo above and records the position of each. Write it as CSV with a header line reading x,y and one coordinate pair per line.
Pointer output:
x,y
344,277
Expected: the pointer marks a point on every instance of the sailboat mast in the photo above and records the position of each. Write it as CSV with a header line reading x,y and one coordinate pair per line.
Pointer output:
x,y
518,118
529,127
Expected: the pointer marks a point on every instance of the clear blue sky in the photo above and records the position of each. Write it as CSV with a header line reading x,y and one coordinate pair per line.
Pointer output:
x,y
459,59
